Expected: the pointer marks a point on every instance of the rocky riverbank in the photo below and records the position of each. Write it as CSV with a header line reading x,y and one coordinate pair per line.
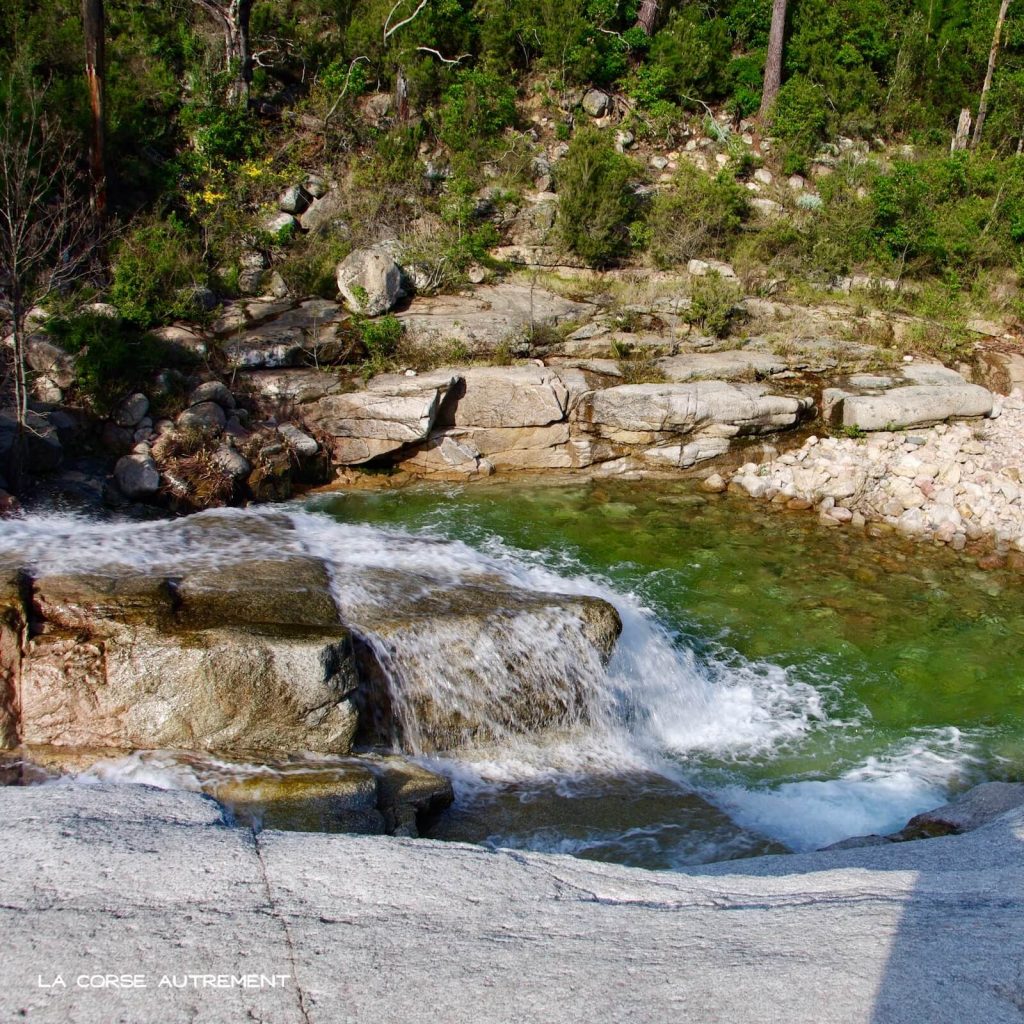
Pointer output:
x,y
953,483
363,928
515,378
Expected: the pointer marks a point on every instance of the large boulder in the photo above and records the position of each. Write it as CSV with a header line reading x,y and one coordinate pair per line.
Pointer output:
x,y
369,280
306,335
391,413
206,649
491,315
917,395
472,660
639,413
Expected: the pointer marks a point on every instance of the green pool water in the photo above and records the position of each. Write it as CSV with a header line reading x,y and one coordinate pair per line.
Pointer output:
x,y
902,666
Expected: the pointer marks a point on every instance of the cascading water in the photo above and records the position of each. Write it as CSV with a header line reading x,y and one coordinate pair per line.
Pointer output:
x,y
493,664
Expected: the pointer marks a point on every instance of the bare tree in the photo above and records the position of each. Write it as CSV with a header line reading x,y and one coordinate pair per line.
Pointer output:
x,y
45,224
94,30
647,15
773,59
989,72
232,17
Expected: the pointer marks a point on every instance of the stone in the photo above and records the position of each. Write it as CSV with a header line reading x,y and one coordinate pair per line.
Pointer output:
x,y
877,928
184,340
206,416
971,810
325,214
915,405
369,280
490,315
596,103
294,200
280,226
232,462
43,356
702,268
137,476
651,409
477,627
394,411
212,391
713,484
301,443
309,334
246,656
131,411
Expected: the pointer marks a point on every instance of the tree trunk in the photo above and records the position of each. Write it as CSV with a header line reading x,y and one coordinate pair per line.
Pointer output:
x,y
94,30
233,18
773,60
963,131
647,15
238,53
992,54
16,461
401,97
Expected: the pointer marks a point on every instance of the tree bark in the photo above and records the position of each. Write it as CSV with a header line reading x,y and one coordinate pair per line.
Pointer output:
x,y
647,15
233,18
963,131
773,59
992,55
94,30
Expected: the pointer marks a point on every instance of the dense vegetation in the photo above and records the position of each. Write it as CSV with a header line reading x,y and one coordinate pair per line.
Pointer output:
x,y
478,91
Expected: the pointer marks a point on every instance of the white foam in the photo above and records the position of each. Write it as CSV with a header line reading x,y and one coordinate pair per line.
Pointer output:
x,y
876,797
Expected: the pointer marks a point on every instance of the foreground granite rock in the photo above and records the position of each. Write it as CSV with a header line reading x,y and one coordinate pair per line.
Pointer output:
x,y
225,632
127,881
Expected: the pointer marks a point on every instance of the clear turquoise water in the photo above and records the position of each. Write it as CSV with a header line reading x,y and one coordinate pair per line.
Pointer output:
x,y
902,667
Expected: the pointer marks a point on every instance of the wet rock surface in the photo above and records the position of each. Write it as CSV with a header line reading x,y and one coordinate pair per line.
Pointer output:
x,y
223,633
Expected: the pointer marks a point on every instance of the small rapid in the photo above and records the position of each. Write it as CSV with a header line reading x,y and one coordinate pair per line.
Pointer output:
x,y
660,716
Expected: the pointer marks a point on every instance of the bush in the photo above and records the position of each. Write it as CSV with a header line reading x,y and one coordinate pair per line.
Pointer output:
x,y
701,215
689,53
596,204
713,304
381,337
799,119
155,271
112,357
476,109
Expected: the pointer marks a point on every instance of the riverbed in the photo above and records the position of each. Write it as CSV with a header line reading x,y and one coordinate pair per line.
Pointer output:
x,y
777,686
809,685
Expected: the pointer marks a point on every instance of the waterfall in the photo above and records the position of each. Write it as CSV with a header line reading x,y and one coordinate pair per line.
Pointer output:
x,y
505,668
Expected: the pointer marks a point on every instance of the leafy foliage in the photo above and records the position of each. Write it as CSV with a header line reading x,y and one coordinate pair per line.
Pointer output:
x,y
597,203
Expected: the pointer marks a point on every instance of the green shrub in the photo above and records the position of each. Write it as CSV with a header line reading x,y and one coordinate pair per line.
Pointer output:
x,y
713,304
596,204
381,337
700,215
689,54
156,268
476,109
112,357
799,118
